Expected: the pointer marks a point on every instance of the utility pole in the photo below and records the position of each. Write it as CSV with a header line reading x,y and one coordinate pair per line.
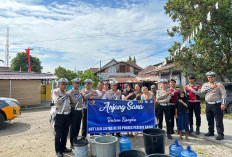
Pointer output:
x,y
7,48
100,65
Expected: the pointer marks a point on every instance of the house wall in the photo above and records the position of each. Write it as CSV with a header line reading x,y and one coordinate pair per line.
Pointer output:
x,y
27,92
116,71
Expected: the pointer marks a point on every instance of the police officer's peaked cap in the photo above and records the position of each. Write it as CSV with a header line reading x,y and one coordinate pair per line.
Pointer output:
x,y
112,83
76,80
62,81
164,81
210,74
191,77
153,86
88,81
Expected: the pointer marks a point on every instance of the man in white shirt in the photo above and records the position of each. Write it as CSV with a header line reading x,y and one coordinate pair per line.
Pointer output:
x,y
100,91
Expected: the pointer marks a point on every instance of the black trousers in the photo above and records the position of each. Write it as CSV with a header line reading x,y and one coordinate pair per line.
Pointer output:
x,y
166,111
196,107
172,116
214,111
84,123
62,123
76,117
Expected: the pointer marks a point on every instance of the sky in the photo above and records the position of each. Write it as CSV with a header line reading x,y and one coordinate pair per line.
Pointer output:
x,y
78,34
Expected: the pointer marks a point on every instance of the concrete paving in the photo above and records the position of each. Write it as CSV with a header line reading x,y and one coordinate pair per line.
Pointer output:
x,y
227,131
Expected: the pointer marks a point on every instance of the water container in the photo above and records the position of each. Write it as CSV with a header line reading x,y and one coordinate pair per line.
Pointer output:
x,y
106,146
124,144
132,153
92,144
159,155
188,152
154,141
80,147
175,149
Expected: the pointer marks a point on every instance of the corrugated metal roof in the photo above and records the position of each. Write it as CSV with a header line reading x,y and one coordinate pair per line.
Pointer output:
x,y
9,75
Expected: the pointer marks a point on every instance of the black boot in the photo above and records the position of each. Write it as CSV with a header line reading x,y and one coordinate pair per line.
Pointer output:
x,y
169,136
198,130
220,137
191,129
209,134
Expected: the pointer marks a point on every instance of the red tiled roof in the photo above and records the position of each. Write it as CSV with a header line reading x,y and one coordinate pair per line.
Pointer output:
x,y
9,75
168,66
133,64
147,77
126,79
93,70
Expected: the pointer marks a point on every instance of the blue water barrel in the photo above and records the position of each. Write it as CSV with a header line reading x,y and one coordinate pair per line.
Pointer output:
x,y
175,149
124,144
188,152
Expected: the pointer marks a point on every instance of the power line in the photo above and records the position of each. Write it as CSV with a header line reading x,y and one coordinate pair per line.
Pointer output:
x,y
90,36
152,55
137,53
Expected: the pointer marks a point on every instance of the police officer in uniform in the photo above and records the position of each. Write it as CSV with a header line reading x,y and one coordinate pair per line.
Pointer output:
x,y
215,95
87,93
114,94
193,92
62,119
76,109
163,97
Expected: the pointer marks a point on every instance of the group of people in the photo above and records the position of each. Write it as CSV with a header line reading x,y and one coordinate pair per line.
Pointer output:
x,y
71,106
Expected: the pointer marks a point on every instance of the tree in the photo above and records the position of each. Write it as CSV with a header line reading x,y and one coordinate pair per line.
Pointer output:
x,y
134,60
210,49
130,59
89,75
21,62
61,72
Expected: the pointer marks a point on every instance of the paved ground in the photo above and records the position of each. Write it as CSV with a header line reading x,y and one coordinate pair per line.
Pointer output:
x,y
228,132
30,135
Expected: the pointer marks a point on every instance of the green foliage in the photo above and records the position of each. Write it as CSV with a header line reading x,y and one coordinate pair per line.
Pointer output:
x,y
61,72
211,47
21,61
131,60
134,60
89,75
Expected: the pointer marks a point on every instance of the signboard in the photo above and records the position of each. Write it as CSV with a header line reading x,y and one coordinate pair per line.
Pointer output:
x,y
112,116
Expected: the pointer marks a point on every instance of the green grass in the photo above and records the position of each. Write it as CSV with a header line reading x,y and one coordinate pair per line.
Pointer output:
x,y
226,115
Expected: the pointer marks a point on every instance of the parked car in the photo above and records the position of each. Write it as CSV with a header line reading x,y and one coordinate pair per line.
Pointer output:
x,y
9,109
228,87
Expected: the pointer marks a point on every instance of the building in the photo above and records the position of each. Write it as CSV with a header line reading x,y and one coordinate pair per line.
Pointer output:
x,y
115,69
23,86
167,70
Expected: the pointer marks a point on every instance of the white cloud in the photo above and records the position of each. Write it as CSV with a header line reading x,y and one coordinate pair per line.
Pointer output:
x,y
30,22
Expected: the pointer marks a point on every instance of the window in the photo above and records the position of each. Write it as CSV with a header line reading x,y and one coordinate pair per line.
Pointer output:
x,y
122,68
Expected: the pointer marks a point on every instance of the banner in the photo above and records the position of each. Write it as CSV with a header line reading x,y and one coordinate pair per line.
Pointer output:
x,y
29,61
112,116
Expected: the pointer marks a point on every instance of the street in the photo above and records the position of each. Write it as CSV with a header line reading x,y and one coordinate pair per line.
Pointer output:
x,y
31,135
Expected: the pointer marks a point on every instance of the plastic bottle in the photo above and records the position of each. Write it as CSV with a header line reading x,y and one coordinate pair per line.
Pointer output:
x,y
124,144
188,152
175,149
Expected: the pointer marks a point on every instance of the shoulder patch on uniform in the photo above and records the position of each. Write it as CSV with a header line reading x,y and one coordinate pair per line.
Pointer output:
x,y
55,93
